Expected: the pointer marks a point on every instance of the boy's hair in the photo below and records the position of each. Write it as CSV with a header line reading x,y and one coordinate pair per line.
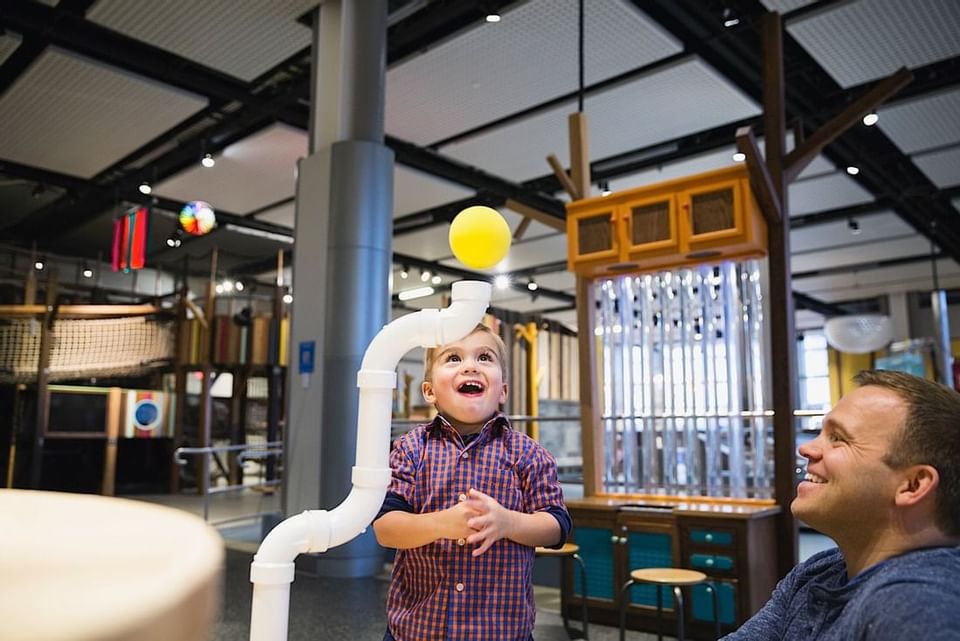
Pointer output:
x,y
930,435
501,352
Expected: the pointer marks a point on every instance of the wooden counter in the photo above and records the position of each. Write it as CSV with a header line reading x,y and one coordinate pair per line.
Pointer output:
x,y
732,542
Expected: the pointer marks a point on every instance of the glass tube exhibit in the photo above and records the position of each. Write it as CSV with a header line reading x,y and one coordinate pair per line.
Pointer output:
x,y
682,382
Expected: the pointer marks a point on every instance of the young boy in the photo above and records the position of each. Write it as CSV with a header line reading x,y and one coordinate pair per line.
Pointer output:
x,y
469,501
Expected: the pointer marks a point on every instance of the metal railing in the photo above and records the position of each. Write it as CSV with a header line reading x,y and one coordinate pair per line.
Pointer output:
x,y
245,453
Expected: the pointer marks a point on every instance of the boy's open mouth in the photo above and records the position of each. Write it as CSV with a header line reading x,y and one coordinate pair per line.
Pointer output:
x,y
470,388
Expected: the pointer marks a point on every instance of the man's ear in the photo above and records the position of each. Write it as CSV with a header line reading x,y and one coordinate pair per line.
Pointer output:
x,y
426,388
918,483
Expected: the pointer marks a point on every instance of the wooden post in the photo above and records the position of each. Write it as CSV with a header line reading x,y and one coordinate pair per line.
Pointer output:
x,y
180,382
114,410
579,153
528,333
206,368
782,336
43,380
590,425
275,371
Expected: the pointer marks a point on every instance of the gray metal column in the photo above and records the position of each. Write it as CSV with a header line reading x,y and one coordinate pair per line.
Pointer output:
x,y
342,261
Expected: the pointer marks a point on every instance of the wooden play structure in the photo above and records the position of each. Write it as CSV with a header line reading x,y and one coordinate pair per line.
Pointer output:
x,y
688,442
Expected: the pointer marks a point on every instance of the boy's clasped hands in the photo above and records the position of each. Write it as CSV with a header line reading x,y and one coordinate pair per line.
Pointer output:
x,y
479,519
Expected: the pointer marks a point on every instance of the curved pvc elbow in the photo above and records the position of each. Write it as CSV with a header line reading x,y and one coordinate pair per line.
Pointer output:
x,y
429,327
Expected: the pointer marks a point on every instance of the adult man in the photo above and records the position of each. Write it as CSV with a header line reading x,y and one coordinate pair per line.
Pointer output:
x,y
883,480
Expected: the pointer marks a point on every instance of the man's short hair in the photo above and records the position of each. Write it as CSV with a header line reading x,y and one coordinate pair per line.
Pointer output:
x,y
930,435
501,353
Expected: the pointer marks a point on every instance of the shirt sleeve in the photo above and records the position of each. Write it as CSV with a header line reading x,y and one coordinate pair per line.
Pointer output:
x,y
910,610
542,492
391,503
403,463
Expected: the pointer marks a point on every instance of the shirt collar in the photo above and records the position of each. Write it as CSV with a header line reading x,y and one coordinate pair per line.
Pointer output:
x,y
499,422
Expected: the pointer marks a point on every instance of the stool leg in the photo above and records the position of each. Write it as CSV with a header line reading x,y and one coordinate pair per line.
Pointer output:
x,y
583,592
624,593
678,592
659,614
715,593
563,600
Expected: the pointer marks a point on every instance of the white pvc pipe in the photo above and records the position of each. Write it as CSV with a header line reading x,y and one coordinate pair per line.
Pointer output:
x,y
272,570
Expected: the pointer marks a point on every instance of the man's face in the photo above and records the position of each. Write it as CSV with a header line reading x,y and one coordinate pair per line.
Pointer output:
x,y
467,386
847,483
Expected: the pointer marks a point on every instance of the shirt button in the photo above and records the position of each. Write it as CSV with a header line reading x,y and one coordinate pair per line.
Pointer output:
x,y
466,455
462,497
459,587
461,542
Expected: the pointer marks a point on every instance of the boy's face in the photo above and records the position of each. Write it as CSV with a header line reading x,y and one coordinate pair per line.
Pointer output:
x,y
467,386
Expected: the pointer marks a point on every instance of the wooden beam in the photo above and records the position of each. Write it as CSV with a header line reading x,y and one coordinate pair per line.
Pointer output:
x,y
563,177
80,311
759,176
579,153
539,216
42,422
522,228
805,152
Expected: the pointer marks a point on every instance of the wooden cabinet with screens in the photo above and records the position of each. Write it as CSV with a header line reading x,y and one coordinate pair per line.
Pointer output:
x,y
679,222
592,237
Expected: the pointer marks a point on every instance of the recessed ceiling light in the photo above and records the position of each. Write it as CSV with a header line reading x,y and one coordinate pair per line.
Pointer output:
x,y
145,188
208,161
502,281
493,17
739,156
870,119
853,170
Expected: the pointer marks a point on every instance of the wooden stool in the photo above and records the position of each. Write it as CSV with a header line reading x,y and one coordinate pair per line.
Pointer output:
x,y
678,579
570,551
92,568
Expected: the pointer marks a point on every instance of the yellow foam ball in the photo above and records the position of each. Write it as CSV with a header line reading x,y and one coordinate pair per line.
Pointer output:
x,y
479,237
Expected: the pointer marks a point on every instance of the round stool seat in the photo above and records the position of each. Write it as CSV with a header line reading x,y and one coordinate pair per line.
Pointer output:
x,y
568,549
94,568
668,576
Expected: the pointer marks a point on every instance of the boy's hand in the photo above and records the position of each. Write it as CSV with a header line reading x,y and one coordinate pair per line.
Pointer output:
x,y
454,520
492,521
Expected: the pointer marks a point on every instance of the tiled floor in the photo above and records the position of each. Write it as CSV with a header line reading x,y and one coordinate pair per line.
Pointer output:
x,y
324,609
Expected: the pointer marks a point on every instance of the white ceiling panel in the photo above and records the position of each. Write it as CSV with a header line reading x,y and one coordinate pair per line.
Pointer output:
x,y
687,96
703,163
923,123
208,32
448,90
857,254
942,167
785,6
428,244
535,230
280,215
825,192
862,41
806,319
559,281
75,116
415,191
874,227
8,44
879,282
250,174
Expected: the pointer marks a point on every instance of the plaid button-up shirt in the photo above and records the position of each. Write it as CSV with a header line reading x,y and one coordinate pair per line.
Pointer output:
x,y
439,592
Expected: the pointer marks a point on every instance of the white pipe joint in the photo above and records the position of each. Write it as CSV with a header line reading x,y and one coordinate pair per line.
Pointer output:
x,y
272,570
